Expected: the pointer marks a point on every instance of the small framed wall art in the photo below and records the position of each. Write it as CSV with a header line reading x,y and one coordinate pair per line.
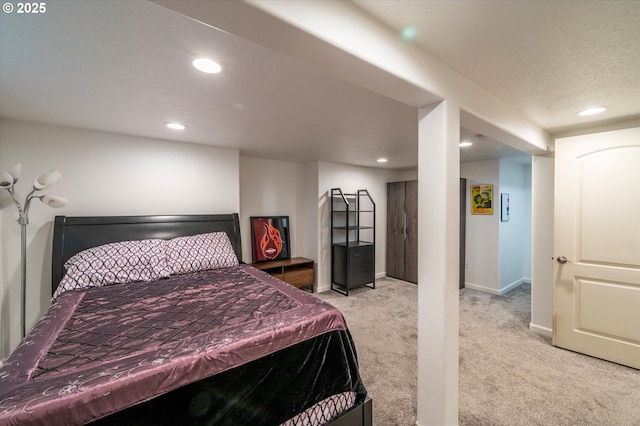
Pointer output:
x,y
504,207
270,238
482,199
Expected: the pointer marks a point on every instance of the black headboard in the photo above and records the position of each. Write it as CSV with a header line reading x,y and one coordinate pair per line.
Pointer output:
x,y
74,234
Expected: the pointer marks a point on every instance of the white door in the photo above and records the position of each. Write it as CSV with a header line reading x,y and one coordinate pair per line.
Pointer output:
x,y
596,295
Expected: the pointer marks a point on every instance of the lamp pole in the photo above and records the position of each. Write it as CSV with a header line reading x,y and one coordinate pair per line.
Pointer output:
x,y
8,181
23,221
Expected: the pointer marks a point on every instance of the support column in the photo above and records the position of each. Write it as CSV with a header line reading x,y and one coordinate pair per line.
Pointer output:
x,y
438,259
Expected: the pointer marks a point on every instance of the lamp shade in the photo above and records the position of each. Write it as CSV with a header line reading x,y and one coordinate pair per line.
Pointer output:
x,y
53,201
47,179
15,171
6,180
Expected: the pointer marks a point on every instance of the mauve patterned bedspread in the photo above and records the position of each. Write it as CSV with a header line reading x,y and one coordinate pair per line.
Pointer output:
x,y
101,350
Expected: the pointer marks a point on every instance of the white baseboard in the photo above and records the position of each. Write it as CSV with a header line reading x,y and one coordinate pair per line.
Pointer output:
x,y
322,289
538,329
513,285
495,291
482,288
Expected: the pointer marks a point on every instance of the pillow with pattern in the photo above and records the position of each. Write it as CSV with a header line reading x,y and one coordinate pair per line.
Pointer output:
x,y
200,252
115,263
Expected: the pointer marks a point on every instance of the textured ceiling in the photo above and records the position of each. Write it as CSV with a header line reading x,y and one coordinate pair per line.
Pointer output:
x,y
547,59
124,67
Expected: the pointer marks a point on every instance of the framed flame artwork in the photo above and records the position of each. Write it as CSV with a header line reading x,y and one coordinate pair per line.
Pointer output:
x,y
270,238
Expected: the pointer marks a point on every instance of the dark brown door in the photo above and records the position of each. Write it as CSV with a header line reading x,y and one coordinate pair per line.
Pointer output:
x,y
402,230
395,229
411,233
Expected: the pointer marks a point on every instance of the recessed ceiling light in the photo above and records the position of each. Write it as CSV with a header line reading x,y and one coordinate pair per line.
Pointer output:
x,y
207,65
176,126
592,111
382,160
465,144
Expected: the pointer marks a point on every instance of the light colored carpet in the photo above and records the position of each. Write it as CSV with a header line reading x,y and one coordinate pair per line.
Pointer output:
x,y
508,375
383,323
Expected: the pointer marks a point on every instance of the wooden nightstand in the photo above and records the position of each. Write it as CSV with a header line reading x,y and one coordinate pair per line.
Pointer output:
x,y
297,271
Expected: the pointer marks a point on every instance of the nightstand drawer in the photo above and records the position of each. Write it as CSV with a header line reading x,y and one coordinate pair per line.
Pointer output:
x,y
297,271
299,277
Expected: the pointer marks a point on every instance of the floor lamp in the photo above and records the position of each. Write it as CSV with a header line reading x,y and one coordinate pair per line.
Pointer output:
x,y
8,181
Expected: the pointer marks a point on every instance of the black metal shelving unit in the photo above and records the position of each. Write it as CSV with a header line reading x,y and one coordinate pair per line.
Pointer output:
x,y
353,240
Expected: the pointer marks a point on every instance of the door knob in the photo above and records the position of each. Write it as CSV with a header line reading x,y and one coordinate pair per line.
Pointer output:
x,y
562,259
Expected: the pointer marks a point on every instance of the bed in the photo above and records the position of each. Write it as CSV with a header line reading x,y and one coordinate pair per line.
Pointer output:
x,y
202,339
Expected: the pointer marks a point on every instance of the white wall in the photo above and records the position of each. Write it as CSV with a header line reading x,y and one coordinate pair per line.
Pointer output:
x,y
407,175
272,188
482,231
102,174
528,209
514,234
438,263
542,187
313,229
498,253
